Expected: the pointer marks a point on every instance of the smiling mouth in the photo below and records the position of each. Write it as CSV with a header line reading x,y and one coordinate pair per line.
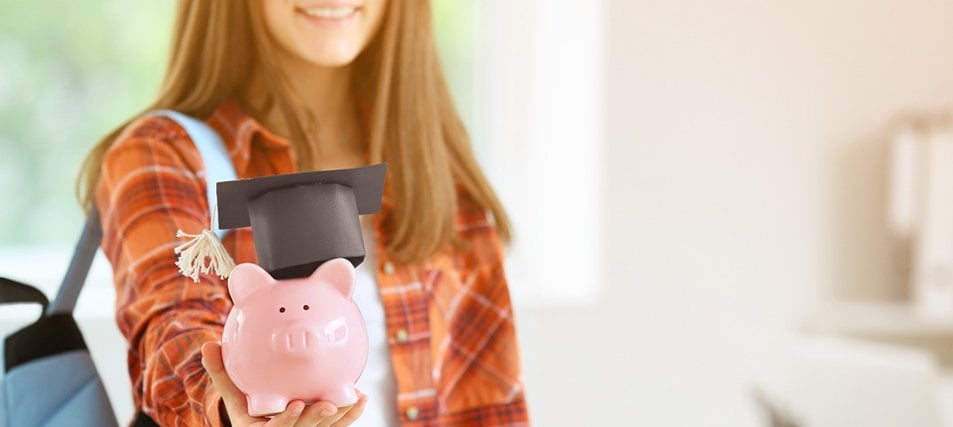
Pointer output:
x,y
330,13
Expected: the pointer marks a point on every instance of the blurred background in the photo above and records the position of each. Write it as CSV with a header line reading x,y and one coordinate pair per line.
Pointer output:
x,y
729,212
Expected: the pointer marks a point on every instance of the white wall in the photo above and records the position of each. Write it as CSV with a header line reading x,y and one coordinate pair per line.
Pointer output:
x,y
745,171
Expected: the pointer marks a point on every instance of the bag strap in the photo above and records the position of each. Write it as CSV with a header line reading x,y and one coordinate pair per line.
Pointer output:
x,y
78,269
13,292
218,168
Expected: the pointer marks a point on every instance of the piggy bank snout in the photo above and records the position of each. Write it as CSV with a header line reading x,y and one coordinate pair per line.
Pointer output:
x,y
307,338
297,340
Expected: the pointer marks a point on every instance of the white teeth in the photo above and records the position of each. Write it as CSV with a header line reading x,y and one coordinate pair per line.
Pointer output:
x,y
331,12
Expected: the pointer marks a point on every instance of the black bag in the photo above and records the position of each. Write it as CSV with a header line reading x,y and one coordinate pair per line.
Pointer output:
x,y
50,378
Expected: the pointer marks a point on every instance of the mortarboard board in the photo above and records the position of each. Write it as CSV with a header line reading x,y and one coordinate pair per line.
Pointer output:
x,y
301,220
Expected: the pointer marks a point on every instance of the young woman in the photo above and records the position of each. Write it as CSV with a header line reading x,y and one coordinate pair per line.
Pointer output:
x,y
295,85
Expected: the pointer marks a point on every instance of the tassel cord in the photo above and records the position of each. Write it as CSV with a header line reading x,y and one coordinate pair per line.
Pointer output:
x,y
203,254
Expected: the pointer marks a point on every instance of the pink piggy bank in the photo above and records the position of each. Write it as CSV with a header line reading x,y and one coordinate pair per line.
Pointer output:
x,y
295,339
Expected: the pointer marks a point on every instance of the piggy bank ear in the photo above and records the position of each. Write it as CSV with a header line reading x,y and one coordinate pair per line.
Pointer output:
x,y
339,273
245,279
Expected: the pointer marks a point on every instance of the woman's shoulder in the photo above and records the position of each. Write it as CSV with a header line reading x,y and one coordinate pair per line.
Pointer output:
x,y
154,138
152,128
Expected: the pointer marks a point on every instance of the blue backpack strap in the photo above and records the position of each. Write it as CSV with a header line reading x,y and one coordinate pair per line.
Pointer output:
x,y
218,164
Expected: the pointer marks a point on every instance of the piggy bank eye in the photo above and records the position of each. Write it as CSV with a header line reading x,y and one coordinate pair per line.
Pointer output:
x,y
281,310
306,307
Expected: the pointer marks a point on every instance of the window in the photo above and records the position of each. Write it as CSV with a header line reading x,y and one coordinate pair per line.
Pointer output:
x,y
539,133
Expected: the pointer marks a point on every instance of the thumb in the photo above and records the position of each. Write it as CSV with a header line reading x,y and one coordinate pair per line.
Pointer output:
x,y
234,399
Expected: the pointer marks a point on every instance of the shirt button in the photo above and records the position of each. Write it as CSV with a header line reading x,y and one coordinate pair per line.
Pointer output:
x,y
401,336
412,413
388,267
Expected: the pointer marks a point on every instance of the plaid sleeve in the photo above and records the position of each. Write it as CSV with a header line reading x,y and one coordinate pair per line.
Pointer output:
x,y
150,187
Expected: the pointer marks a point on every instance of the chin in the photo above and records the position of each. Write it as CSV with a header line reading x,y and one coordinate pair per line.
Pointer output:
x,y
332,59
331,54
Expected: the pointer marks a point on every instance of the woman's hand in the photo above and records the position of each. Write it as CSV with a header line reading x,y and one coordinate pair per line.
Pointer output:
x,y
320,414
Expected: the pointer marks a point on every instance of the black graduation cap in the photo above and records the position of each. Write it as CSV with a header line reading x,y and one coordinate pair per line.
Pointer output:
x,y
301,220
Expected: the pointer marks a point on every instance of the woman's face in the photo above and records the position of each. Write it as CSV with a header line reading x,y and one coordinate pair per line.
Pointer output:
x,y
323,32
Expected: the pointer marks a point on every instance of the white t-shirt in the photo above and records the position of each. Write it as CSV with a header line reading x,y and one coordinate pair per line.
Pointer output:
x,y
377,381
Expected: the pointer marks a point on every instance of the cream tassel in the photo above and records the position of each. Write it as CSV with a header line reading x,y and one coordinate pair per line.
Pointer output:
x,y
193,255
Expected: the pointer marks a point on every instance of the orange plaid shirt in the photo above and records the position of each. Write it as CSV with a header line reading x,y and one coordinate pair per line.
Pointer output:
x,y
452,340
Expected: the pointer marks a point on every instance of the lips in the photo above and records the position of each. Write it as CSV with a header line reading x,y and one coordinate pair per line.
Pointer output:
x,y
328,11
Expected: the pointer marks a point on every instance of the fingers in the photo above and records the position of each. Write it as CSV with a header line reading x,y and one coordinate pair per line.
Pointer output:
x,y
289,417
234,400
327,414
317,413
352,414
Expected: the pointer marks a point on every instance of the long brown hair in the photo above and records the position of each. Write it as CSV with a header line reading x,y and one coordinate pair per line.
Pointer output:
x,y
413,124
